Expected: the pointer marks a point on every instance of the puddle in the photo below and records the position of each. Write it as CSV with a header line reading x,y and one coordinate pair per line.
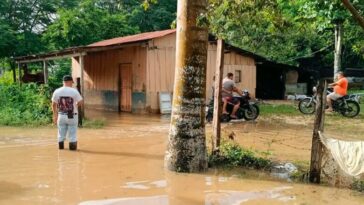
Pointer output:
x,y
123,164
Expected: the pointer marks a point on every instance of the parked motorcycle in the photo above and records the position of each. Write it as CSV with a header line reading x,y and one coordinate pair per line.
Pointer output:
x,y
247,110
348,105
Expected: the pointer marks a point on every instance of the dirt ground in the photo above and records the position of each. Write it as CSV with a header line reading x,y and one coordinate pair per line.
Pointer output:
x,y
122,163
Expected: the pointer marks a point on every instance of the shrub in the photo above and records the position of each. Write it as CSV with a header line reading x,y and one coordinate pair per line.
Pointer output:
x,y
232,154
28,104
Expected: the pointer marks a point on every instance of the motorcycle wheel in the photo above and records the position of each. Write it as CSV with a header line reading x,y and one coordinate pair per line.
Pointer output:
x,y
351,110
307,106
251,113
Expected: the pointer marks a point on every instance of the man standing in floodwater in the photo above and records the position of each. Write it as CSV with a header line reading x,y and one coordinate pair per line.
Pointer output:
x,y
65,101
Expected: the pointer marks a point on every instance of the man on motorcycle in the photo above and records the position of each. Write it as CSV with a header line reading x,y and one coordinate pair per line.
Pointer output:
x,y
340,90
228,87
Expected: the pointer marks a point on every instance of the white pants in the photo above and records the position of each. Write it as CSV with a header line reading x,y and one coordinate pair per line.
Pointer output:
x,y
65,126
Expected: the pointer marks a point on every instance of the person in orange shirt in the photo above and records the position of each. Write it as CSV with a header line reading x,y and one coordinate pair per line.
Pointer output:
x,y
340,90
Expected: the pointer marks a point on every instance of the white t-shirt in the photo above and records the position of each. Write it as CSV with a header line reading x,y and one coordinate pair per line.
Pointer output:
x,y
228,85
66,99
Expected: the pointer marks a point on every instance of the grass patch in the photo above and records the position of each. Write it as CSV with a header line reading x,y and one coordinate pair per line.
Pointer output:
x,y
233,155
358,185
278,109
94,123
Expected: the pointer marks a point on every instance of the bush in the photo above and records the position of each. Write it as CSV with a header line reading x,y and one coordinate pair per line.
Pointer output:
x,y
28,104
7,78
233,155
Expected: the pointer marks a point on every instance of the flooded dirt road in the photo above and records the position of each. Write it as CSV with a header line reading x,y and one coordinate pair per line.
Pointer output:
x,y
123,164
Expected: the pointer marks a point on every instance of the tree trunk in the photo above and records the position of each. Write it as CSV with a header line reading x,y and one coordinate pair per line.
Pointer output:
x,y
217,95
354,12
187,147
338,47
317,148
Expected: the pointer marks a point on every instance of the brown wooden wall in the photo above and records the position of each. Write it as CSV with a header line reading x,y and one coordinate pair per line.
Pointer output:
x,y
101,75
161,66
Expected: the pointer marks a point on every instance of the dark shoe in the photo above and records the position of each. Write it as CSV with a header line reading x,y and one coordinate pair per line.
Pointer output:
x,y
73,146
61,145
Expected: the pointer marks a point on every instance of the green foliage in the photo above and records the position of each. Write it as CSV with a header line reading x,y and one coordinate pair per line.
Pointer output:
x,y
286,31
24,105
232,154
7,78
157,15
61,68
358,185
86,24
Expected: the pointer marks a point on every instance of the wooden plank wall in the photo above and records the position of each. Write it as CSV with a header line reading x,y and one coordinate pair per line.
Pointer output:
x,y
102,75
161,65
161,56
232,61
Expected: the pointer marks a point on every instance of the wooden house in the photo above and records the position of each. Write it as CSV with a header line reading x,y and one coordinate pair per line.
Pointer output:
x,y
128,73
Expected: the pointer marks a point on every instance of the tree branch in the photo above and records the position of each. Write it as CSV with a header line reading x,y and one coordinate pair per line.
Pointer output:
x,y
354,12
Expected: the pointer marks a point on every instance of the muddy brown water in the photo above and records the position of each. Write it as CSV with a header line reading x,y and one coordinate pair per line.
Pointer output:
x,y
123,164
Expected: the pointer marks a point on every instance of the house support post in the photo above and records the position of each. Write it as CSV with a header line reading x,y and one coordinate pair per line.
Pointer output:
x,y
82,84
45,71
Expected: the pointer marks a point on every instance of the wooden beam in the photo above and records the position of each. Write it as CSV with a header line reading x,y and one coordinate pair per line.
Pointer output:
x,y
51,58
82,67
217,95
74,53
19,77
13,68
82,83
317,147
45,71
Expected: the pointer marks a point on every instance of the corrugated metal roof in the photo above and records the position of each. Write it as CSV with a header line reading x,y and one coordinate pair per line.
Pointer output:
x,y
133,38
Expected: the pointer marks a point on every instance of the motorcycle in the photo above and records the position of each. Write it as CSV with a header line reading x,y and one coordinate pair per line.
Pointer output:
x,y
247,110
348,105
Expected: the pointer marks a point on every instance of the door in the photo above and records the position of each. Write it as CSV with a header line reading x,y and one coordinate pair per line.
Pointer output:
x,y
125,76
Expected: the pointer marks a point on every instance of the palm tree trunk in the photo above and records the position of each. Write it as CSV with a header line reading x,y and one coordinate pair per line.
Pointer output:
x,y
187,148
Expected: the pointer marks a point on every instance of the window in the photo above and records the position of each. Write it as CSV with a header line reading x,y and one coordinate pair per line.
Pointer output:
x,y
237,76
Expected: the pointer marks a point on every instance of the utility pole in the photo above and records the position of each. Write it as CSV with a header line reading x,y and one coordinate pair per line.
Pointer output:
x,y
186,150
217,95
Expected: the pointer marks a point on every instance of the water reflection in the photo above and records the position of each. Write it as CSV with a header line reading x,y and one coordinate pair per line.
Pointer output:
x,y
203,190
